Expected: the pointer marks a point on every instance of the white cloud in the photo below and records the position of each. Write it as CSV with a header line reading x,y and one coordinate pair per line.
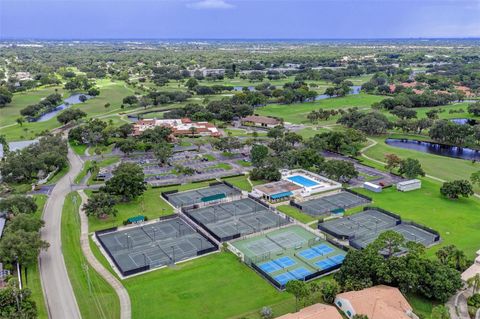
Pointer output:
x,y
210,4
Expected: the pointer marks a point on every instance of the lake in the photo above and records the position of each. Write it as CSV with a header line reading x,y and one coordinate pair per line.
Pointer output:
x,y
72,100
464,121
355,90
435,148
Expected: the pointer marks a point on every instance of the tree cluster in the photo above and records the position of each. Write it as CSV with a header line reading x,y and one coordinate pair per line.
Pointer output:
x,y
411,273
35,161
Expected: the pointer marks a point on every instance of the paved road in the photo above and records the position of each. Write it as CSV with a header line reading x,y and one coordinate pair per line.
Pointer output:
x,y
58,292
125,305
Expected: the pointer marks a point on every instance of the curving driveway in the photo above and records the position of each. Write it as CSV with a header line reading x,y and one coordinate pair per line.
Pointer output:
x,y
57,289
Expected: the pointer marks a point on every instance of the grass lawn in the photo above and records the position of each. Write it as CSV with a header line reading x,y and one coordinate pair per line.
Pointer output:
x,y
224,166
79,149
297,113
295,213
421,306
11,112
150,204
110,91
244,133
440,166
209,157
309,132
240,182
457,221
56,177
244,163
215,286
97,300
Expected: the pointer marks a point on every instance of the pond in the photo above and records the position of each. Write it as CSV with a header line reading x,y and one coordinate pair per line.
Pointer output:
x,y
73,99
240,88
354,91
463,121
435,148
14,146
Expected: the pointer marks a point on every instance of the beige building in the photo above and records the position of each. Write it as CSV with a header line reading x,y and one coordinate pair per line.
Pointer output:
x,y
379,302
317,311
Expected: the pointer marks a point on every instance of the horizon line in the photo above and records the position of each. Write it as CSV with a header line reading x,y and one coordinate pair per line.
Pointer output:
x,y
233,38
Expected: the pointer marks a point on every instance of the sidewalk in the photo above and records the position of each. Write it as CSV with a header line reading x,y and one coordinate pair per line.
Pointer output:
x,y
125,305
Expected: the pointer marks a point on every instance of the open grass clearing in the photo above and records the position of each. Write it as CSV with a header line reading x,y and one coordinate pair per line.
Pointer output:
x,y
215,286
297,112
95,297
295,213
240,182
443,167
150,204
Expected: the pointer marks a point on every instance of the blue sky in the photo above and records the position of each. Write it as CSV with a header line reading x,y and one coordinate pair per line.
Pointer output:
x,y
262,19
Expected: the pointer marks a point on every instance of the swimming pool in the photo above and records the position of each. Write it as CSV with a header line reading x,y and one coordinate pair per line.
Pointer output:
x,y
303,181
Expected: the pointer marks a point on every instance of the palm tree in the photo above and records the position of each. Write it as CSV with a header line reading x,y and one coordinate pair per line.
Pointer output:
x,y
474,283
459,259
4,143
193,130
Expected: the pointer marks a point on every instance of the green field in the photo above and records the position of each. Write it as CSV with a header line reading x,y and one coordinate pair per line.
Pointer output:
x,y
97,299
111,92
215,286
240,182
297,113
439,166
151,204
295,213
457,221
11,112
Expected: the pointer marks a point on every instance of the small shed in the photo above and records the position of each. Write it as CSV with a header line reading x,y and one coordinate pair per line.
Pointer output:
x,y
409,185
372,187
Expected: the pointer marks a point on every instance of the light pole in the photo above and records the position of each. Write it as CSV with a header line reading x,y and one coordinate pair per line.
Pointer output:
x,y
173,254
154,233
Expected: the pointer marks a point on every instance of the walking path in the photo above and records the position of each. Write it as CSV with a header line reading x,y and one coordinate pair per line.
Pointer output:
x,y
125,304
373,143
57,289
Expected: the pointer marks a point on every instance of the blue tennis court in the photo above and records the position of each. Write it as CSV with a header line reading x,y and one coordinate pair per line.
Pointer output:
x,y
285,262
300,273
309,254
330,262
338,258
323,249
284,278
269,267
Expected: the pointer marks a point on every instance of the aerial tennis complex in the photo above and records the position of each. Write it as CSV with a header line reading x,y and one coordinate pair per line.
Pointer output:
x,y
363,228
215,192
165,242
334,203
230,220
289,253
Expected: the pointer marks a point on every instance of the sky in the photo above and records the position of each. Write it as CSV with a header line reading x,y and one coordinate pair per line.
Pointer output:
x,y
238,19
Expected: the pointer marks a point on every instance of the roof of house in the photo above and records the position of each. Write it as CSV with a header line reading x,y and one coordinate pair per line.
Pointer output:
x,y
378,302
316,311
277,187
261,119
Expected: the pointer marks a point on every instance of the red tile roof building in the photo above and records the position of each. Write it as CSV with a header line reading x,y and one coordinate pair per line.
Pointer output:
x,y
179,127
378,302
317,311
